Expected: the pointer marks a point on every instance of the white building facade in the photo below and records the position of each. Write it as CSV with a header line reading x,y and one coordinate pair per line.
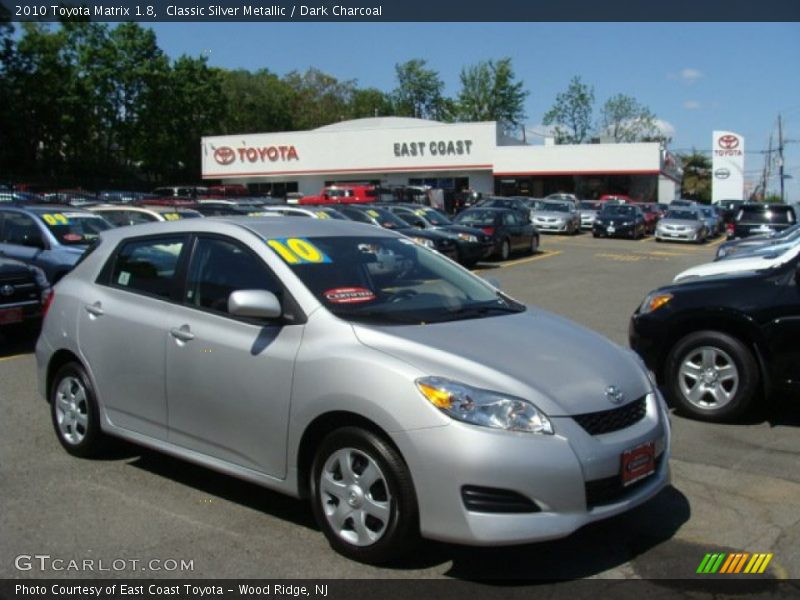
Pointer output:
x,y
395,151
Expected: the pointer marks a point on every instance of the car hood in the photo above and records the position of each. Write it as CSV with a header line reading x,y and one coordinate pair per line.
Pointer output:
x,y
736,264
562,367
683,222
551,213
616,218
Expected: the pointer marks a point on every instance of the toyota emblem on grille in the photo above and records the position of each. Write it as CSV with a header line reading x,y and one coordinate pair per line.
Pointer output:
x,y
614,394
7,290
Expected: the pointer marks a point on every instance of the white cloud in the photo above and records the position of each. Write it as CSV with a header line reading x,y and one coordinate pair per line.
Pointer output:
x,y
690,75
666,128
691,105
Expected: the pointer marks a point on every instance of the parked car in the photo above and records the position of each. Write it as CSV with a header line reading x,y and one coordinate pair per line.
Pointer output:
x,y
123,215
401,395
719,344
76,198
561,197
729,210
757,219
623,220
684,224
375,215
315,212
10,196
651,214
713,221
733,248
557,217
123,196
516,204
509,231
588,209
683,203
755,262
180,191
473,244
51,237
615,198
23,291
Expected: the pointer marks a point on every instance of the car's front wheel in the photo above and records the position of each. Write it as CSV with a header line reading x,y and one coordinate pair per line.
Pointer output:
x,y
505,250
363,497
73,407
711,376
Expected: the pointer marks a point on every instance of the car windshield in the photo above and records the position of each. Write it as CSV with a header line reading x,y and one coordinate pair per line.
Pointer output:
x,y
615,210
388,280
476,218
556,207
386,219
321,213
683,215
71,228
434,217
588,205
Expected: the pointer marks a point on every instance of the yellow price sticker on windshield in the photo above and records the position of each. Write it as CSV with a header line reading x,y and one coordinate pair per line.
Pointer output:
x,y
55,219
298,251
322,215
419,212
373,213
172,216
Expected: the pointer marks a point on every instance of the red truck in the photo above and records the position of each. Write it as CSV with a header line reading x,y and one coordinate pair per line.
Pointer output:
x,y
343,194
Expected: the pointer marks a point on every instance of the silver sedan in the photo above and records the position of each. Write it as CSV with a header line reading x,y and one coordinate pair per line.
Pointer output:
x,y
557,217
682,224
339,362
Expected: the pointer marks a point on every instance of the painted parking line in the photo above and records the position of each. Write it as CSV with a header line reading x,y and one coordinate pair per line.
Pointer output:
x,y
12,357
513,263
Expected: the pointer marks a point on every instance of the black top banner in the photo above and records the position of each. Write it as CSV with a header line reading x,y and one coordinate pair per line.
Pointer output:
x,y
401,10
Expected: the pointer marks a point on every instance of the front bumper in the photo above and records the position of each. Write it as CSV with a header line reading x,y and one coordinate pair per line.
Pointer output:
x,y
611,230
470,252
677,236
558,473
551,226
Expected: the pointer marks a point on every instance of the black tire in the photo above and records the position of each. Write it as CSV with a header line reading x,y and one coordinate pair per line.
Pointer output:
x,y
727,350
399,533
534,246
505,249
82,435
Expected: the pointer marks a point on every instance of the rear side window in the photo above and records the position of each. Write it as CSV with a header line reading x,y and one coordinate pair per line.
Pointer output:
x,y
148,266
765,214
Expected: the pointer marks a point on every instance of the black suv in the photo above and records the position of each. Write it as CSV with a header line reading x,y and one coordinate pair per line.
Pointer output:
x,y
759,219
22,293
717,344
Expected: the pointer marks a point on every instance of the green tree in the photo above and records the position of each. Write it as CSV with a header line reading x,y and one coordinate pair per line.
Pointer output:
x,y
571,115
625,119
258,101
371,102
696,183
318,99
489,92
419,92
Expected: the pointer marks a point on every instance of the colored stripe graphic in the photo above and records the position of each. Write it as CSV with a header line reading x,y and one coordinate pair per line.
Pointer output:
x,y
730,564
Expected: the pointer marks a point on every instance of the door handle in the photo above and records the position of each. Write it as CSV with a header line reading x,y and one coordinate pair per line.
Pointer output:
x,y
96,309
182,333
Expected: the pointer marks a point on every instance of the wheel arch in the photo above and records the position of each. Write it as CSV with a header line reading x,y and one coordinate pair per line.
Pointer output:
x,y
58,360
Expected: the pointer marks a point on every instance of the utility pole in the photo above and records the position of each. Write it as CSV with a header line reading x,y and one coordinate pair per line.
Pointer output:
x,y
765,172
780,157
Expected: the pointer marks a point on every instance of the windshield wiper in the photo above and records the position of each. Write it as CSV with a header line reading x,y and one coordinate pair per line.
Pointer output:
x,y
477,311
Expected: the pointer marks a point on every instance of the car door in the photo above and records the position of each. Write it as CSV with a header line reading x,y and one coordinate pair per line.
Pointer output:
x,y
514,227
783,331
123,330
229,379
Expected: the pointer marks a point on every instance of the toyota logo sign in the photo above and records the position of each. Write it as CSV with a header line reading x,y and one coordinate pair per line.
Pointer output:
x,y
224,155
728,142
722,173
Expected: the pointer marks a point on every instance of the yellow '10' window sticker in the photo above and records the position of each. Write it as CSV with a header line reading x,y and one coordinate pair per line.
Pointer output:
x,y
172,216
298,251
55,219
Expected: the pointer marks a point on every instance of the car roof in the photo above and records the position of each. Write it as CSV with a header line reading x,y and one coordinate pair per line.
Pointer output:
x,y
264,227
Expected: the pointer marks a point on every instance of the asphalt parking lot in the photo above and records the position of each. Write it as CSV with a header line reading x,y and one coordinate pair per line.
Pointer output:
x,y
736,488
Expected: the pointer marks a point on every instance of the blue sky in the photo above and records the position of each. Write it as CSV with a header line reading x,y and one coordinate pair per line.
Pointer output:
x,y
696,77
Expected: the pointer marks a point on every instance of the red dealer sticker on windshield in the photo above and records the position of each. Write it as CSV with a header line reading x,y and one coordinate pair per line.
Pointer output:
x,y
349,295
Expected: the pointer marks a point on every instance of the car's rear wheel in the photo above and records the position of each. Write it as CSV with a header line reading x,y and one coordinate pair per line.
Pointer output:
x,y
73,408
363,497
534,247
711,376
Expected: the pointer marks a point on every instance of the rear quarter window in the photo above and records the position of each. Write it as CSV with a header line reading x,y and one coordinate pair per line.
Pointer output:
x,y
147,266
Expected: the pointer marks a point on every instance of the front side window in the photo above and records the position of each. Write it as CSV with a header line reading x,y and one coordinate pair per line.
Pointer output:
x,y
148,266
220,267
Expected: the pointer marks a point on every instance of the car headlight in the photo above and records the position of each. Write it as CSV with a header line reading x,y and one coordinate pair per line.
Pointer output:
x,y
424,242
467,237
483,407
653,302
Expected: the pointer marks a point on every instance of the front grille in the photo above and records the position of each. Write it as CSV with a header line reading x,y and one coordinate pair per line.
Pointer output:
x,y
495,500
610,489
606,421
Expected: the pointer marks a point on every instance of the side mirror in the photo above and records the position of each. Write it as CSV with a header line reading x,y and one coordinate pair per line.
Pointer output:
x,y
260,304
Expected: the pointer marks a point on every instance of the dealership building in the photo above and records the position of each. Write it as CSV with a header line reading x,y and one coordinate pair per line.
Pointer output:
x,y
397,151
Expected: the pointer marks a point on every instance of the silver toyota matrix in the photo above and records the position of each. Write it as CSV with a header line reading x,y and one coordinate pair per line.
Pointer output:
x,y
347,364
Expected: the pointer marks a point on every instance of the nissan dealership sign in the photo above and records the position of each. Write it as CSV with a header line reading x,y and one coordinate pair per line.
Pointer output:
x,y
727,166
